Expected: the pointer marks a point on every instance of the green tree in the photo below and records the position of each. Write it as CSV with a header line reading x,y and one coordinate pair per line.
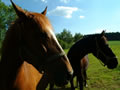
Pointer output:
x,y
7,15
63,44
65,38
77,37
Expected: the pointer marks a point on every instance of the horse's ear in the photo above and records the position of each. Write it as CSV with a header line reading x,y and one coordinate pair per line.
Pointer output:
x,y
19,11
103,33
45,11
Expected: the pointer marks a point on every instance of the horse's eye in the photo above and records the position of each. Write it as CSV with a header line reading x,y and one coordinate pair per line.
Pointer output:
x,y
43,35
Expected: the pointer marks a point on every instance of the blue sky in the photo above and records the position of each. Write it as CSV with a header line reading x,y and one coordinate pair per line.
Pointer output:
x,y
77,16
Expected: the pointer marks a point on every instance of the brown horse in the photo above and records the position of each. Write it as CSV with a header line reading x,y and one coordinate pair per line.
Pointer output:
x,y
98,46
29,42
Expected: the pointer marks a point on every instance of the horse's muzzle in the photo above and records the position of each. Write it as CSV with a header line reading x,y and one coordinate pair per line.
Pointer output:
x,y
113,64
63,81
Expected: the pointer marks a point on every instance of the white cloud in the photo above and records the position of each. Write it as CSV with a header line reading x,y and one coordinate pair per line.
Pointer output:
x,y
45,1
65,1
82,17
63,11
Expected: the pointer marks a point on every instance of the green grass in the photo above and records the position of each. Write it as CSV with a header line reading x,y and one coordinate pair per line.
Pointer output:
x,y
100,77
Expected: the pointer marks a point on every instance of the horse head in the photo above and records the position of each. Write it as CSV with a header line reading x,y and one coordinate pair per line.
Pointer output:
x,y
38,45
103,52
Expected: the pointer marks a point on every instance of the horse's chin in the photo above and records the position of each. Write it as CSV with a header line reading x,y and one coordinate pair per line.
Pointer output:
x,y
111,66
61,84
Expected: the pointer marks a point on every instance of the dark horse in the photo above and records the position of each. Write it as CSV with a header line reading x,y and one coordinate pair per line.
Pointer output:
x,y
98,46
31,41
95,44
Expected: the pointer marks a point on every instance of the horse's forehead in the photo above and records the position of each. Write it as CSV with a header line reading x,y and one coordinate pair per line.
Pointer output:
x,y
105,40
35,14
42,21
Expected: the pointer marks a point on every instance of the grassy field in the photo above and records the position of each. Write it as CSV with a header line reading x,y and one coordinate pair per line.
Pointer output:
x,y
101,78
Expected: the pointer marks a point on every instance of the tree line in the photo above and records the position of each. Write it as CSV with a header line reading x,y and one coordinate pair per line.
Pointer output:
x,y
113,36
66,39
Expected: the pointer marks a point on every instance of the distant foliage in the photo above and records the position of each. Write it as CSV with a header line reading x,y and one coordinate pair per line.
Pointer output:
x,y
66,39
7,15
113,36
77,37
66,36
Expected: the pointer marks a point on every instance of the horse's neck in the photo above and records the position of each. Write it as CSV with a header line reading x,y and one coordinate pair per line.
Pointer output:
x,y
10,48
10,59
84,47
87,46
